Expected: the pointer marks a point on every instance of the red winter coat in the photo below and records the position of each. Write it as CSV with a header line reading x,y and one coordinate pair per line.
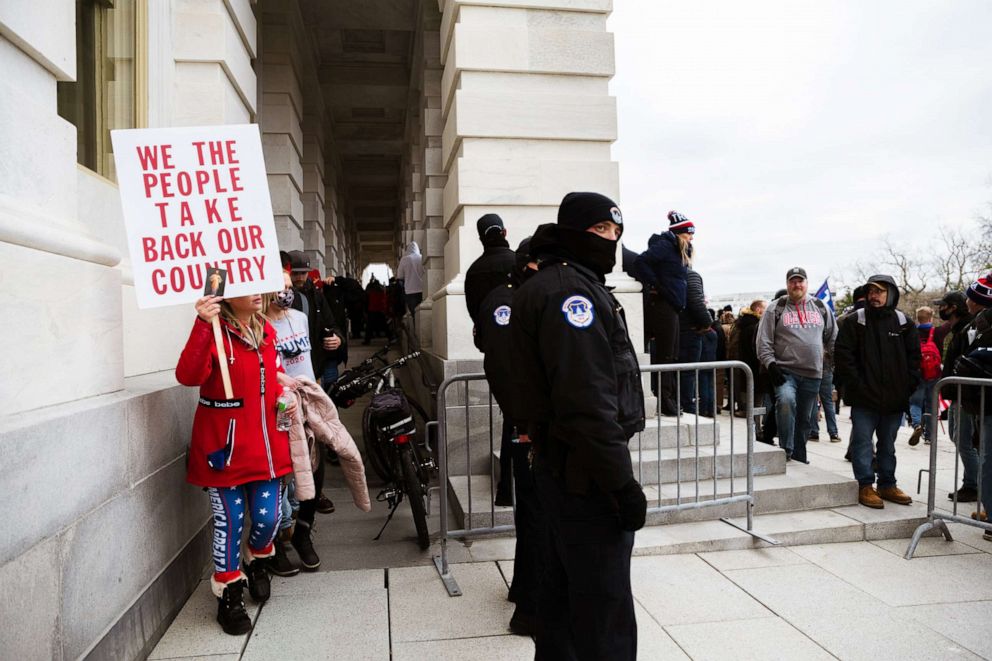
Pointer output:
x,y
258,451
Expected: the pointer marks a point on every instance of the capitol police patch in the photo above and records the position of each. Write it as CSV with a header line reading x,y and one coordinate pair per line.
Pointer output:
x,y
578,311
617,216
501,315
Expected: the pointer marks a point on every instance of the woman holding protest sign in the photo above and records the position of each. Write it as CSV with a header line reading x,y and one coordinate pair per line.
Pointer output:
x,y
236,452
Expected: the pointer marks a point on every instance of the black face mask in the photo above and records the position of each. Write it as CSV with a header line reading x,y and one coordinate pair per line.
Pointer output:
x,y
945,314
592,251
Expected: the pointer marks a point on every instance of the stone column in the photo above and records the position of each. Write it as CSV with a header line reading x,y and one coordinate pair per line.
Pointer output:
x,y
314,210
433,179
527,117
280,118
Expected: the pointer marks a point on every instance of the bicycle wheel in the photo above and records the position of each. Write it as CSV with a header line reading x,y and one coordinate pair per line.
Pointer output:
x,y
415,494
373,448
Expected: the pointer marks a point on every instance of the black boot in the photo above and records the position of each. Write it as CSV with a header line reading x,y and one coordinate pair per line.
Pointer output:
x,y
304,547
281,564
258,580
231,613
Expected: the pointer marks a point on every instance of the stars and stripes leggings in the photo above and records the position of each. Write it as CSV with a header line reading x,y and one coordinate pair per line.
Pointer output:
x,y
260,501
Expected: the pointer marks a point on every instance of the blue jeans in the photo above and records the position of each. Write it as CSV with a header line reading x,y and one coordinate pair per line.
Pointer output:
x,y
330,374
288,505
973,465
827,402
794,400
919,406
707,394
690,350
884,427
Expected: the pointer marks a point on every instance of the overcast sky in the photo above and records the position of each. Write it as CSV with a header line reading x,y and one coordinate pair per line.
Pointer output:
x,y
801,131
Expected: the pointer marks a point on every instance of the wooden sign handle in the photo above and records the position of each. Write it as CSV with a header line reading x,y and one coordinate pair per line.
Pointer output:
x,y
222,355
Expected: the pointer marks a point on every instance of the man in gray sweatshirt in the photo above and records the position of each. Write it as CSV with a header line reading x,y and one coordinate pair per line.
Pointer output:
x,y
793,334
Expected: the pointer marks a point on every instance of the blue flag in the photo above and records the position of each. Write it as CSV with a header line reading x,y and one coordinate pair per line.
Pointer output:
x,y
823,293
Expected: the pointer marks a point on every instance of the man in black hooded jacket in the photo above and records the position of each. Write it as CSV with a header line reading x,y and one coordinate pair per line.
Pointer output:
x,y
877,357
578,386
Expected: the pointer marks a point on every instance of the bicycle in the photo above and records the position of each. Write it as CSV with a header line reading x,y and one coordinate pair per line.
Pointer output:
x,y
389,429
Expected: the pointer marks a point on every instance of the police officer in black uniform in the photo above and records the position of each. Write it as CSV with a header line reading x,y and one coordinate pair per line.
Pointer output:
x,y
494,339
493,269
579,387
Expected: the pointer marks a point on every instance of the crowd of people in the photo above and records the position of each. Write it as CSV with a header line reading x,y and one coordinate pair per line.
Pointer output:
x,y
562,367
565,373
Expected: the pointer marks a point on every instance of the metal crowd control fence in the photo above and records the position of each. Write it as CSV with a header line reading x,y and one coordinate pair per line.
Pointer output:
x,y
976,424
681,488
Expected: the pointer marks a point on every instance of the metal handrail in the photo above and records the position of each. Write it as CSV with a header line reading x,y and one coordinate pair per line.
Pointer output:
x,y
469,530
937,520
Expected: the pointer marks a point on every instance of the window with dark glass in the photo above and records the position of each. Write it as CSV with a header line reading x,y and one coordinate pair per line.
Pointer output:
x,y
103,96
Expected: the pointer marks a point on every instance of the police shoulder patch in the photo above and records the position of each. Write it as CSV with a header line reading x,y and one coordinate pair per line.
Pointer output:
x,y
501,315
578,311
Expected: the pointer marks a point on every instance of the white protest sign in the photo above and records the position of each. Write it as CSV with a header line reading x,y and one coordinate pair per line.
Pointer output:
x,y
195,198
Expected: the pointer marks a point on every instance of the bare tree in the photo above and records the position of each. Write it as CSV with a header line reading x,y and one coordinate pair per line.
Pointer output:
x,y
956,259
909,268
983,251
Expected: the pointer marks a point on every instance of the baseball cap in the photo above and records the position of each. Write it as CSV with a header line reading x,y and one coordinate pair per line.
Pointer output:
x,y
795,272
487,223
299,262
953,298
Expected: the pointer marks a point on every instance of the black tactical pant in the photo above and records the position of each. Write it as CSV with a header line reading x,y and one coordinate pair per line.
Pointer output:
x,y
527,557
586,606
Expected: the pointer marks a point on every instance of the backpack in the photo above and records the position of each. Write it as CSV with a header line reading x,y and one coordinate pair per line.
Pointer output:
x,y
929,358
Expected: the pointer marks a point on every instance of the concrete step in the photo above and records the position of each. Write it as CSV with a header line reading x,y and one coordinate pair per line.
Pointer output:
x,y
654,465
666,432
681,463
821,526
804,488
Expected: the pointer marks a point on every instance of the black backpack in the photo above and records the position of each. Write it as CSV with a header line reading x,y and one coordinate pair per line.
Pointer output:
x,y
391,412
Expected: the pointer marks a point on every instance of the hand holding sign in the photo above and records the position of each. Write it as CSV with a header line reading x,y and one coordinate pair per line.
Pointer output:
x,y
208,308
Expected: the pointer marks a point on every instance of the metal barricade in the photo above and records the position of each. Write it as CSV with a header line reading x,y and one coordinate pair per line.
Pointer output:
x,y
976,423
702,476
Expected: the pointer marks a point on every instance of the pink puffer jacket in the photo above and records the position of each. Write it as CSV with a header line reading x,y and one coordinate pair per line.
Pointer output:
x,y
320,421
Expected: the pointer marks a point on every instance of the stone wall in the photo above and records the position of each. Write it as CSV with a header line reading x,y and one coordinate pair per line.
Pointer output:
x,y
104,540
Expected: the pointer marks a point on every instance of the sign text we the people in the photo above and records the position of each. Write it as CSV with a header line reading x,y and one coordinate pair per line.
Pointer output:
x,y
196,198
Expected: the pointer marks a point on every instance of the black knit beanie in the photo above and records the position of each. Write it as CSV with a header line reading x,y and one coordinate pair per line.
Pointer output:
x,y
580,211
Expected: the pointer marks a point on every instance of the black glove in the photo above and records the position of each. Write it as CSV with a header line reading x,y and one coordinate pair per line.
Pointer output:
x,y
632,505
776,374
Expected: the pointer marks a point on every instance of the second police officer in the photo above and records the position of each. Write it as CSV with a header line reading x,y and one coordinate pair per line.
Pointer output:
x,y
579,388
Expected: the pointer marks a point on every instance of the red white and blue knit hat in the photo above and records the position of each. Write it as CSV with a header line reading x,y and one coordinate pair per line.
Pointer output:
x,y
679,224
980,291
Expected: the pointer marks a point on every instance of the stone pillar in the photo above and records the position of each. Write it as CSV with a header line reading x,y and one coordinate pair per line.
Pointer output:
x,y
314,212
280,118
527,117
433,179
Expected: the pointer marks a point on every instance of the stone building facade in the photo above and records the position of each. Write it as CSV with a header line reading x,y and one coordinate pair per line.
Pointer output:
x,y
383,121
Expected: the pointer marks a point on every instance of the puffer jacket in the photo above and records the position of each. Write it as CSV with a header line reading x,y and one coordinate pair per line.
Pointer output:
x,y
661,270
243,428
319,421
877,356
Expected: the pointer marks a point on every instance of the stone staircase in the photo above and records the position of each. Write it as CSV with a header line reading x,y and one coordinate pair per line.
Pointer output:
x,y
794,503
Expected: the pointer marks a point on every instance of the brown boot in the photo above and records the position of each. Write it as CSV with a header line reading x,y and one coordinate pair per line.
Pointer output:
x,y
895,495
868,497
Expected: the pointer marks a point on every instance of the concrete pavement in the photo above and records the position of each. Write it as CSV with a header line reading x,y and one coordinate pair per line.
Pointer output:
x,y
847,596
